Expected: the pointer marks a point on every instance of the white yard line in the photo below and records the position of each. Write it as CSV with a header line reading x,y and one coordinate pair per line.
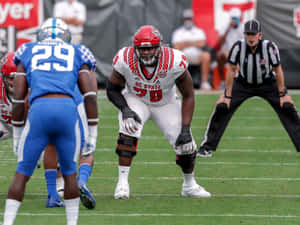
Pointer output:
x,y
178,195
4,162
296,179
221,150
153,137
203,127
163,215
207,117
171,150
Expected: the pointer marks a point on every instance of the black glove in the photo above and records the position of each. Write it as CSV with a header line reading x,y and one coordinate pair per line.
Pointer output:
x,y
184,136
128,113
1,133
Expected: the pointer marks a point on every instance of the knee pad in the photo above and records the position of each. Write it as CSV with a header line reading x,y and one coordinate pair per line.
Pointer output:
x,y
222,108
126,146
186,161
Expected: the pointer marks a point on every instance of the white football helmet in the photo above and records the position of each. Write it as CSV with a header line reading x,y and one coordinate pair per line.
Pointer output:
x,y
54,28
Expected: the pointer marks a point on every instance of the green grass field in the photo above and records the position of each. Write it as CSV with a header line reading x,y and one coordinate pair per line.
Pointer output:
x,y
254,176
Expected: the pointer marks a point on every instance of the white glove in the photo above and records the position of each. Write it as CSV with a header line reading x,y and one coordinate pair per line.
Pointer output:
x,y
131,120
186,149
17,131
131,125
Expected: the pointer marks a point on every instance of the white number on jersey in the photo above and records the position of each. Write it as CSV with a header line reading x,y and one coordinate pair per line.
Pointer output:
x,y
67,58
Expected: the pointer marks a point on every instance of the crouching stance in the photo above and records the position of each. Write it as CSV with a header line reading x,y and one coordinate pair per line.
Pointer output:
x,y
51,68
150,73
254,70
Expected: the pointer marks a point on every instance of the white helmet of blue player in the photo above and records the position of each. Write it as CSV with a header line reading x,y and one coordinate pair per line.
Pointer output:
x,y
54,28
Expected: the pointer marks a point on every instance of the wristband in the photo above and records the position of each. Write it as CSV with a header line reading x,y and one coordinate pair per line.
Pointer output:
x,y
283,92
17,131
93,131
185,129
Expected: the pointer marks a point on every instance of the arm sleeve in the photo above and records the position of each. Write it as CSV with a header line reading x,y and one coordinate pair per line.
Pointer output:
x,y
274,54
234,53
115,96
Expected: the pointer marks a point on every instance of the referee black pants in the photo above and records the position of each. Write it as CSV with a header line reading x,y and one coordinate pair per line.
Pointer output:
x,y
219,119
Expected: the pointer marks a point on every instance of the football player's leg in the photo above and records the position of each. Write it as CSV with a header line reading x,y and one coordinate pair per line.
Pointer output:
x,y
126,150
50,166
86,162
68,143
85,170
171,126
60,183
86,158
32,142
127,147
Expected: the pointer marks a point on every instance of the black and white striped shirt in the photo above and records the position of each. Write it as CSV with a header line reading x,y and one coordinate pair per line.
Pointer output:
x,y
255,68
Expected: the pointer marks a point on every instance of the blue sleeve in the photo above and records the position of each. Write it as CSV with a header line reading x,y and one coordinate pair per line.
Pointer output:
x,y
19,53
87,57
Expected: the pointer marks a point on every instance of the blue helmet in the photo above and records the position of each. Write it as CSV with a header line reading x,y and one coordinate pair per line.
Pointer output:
x,y
54,28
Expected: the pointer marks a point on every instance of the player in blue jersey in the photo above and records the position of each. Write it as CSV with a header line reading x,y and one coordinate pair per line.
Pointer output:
x,y
85,164
55,186
51,68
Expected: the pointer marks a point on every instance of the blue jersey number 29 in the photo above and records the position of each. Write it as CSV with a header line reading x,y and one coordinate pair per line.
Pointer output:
x,y
66,59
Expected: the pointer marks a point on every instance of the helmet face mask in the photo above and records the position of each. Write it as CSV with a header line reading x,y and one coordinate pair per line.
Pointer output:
x,y
54,28
148,55
8,71
147,42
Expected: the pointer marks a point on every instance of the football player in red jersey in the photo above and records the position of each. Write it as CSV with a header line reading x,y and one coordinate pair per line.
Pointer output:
x,y
8,70
150,73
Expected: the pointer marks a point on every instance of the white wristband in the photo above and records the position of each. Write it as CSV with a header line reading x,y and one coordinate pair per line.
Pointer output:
x,y
93,131
17,131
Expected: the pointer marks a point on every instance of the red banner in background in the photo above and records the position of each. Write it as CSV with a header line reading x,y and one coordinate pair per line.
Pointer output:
x,y
25,15
204,19
210,15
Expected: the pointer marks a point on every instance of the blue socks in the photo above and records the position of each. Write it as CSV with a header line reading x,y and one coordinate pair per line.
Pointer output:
x,y
50,176
84,173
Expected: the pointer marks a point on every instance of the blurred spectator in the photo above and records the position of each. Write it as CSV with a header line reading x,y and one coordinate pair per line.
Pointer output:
x,y
73,13
192,41
232,32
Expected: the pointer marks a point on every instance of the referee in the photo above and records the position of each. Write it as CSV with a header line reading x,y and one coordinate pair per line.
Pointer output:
x,y
259,73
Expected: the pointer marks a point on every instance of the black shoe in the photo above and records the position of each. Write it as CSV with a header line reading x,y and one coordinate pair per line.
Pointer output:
x,y
202,152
